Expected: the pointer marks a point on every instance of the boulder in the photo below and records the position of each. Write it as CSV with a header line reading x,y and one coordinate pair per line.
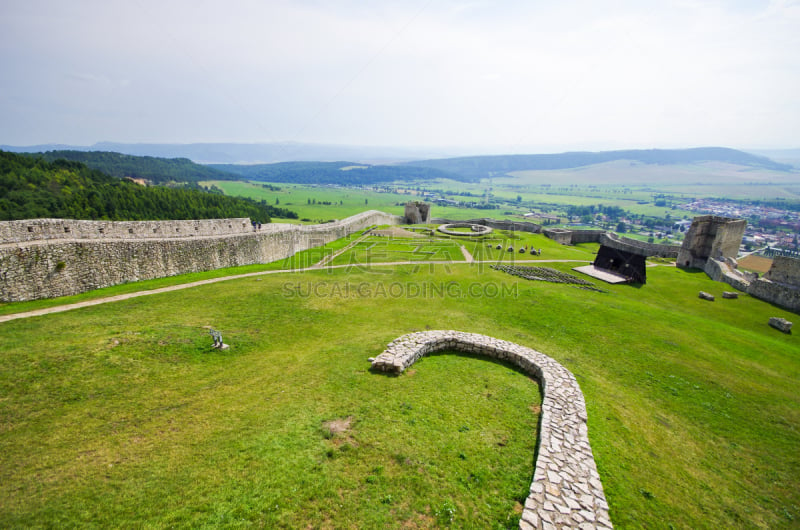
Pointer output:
x,y
781,324
729,294
706,296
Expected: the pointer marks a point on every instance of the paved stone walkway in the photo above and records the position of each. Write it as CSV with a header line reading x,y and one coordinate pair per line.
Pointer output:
x,y
566,491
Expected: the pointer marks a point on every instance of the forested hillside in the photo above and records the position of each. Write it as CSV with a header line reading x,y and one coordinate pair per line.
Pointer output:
x,y
155,170
35,188
343,173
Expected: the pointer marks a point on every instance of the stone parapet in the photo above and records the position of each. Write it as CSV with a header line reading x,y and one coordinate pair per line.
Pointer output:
x,y
69,229
566,491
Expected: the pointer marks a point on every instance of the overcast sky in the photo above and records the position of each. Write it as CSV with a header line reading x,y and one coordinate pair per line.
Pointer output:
x,y
514,76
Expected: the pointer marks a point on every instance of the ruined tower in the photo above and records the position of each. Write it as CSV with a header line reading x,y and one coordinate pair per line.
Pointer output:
x,y
417,212
711,237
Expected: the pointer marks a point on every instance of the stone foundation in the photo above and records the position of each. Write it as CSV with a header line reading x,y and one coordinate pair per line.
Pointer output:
x,y
566,491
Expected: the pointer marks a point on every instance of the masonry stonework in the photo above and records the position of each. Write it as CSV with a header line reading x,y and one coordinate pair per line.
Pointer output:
x,y
566,491
45,258
785,270
711,237
417,212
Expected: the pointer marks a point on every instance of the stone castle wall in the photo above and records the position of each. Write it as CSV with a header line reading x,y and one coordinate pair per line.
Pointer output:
x,y
559,235
47,229
776,293
609,239
641,248
565,236
721,271
785,270
586,236
49,266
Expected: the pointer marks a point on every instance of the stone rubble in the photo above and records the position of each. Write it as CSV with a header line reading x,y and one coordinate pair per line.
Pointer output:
x,y
566,491
781,324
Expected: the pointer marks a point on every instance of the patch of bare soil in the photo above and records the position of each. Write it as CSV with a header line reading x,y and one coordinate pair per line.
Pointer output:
x,y
755,263
339,426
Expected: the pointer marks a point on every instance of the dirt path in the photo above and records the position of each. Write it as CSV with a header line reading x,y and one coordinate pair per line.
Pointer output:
x,y
327,259
127,296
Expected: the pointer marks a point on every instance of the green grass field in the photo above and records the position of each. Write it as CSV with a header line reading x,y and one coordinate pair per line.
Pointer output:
x,y
123,415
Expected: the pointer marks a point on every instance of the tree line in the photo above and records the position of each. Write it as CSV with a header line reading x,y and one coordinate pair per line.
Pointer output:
x,y
32,187
341,173
149,168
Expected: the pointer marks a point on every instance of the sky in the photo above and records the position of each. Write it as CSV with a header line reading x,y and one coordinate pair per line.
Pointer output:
x,y
493,76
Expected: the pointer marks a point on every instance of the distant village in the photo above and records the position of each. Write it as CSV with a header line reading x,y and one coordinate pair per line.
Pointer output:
x,y
770,230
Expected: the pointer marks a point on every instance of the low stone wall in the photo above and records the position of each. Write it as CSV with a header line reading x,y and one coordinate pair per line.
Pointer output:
x,y
50,267
566,491
498,224
477,230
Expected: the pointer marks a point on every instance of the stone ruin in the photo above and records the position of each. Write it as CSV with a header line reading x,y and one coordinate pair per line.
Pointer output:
x,y
712,244
711,237
566,491
417,213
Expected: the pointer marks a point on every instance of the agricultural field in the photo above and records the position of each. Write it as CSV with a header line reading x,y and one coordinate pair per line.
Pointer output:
x,y
309,201
346,201
122,414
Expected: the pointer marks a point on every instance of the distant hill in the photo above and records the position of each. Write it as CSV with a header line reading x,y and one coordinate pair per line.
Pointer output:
x,y
784,156
478,167
155,170
31,187
343,173
252,153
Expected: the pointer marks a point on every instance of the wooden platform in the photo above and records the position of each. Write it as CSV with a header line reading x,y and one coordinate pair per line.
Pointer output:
x,y
600,274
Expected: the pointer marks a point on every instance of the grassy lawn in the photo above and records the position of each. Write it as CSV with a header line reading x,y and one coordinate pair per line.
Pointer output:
x,y
122,414
394,249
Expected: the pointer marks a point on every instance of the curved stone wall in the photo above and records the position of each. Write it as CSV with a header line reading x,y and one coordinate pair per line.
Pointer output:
x,y
477,230
642,248
102,253
566,491
498,224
